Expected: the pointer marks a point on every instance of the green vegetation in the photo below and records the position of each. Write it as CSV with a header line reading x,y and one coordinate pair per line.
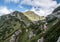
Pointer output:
x,y
12,22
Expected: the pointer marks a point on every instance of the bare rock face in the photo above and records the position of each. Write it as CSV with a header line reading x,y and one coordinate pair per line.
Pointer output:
x,y
26,30
14,36
30,34
41,40
58,39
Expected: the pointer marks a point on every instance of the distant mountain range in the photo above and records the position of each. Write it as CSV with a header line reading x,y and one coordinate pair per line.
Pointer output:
x,y
29,27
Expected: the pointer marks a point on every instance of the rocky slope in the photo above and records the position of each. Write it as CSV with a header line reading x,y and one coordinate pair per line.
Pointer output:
x,y
18,27
53,32
11,23
33,16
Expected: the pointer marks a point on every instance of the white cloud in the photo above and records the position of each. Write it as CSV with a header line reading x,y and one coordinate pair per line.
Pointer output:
x,y
4,10
42,3
15,1
41,7
42,12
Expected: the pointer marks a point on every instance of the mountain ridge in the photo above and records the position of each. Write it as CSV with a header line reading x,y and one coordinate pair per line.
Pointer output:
x,y
33,16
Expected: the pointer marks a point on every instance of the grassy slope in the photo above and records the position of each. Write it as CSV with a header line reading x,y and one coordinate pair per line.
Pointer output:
x,y
32,16
9,24
52,33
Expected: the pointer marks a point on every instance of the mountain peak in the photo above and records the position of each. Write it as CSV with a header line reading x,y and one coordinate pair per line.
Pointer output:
x,y
56,9
29,12
16,12
33,16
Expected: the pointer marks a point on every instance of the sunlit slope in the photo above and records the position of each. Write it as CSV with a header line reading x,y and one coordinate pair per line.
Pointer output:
x,y
33,16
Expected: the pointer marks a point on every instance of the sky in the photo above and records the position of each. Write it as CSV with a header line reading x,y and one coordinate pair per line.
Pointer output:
x,y
40,7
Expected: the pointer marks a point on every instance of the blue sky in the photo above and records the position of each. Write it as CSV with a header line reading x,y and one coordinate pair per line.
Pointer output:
x,y
40,7
14,6
58,1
